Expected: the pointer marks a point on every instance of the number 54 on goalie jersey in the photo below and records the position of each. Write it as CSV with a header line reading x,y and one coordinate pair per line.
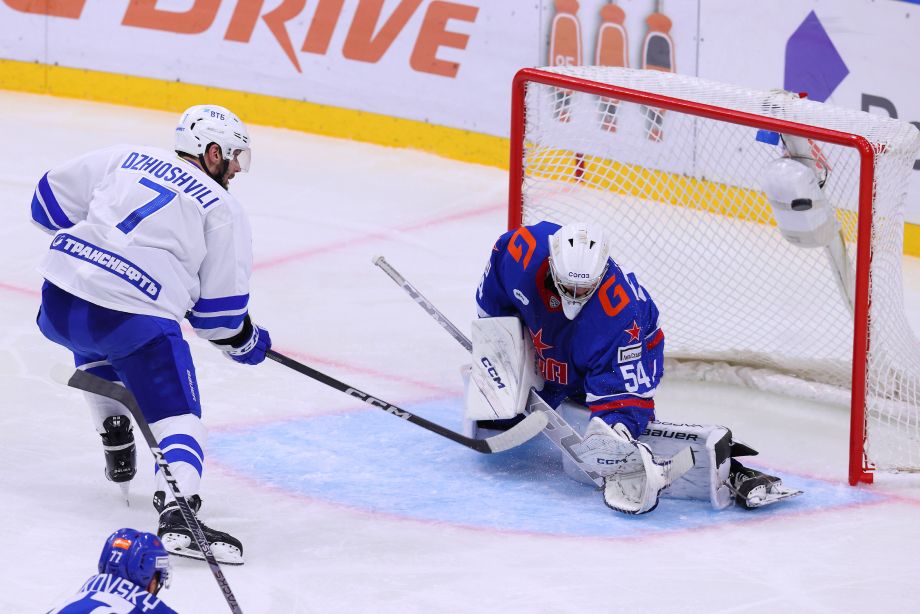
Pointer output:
x,y
611,353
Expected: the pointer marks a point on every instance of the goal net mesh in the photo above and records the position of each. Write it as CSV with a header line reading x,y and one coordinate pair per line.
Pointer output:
x,y
679,195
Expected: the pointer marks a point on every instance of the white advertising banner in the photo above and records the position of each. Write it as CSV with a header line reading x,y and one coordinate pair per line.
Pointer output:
x,y
450,62
441,61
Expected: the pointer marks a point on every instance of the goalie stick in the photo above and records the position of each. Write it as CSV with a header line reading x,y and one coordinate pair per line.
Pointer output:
x,y
513,437
423,302
557,429
96,385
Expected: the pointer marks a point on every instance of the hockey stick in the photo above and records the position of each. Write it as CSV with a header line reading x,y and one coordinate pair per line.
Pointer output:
x,y
513,437
423,302
96,385
562,435
557,430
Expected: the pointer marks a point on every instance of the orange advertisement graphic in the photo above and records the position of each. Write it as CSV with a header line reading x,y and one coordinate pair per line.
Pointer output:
x,y
369,38
612,50
612,47
565,35
657,54
565,49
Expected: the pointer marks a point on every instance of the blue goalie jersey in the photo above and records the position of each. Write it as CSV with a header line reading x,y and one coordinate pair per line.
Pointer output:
x,y
611,354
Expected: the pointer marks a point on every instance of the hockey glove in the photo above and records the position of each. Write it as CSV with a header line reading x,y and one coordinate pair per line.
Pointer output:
x,y
249,346
253,351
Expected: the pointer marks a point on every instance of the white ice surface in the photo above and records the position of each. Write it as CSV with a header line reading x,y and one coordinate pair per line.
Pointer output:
x,y
343,508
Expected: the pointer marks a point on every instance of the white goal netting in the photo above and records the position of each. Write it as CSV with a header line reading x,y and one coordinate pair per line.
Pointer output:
x,y
680,196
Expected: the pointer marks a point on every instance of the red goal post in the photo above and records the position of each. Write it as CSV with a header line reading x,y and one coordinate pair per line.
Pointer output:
x,y
669,165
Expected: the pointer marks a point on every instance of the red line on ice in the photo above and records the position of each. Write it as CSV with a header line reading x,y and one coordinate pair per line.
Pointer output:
x,y
372,236
19,290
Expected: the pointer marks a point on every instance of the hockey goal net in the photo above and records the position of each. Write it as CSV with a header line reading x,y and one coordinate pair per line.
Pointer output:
x,y
670,166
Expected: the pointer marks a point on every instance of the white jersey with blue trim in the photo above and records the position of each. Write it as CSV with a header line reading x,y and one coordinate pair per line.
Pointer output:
x,y
108,593
140,230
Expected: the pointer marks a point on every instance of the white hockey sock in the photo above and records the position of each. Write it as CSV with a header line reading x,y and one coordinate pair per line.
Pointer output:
x,y
102,407
182,440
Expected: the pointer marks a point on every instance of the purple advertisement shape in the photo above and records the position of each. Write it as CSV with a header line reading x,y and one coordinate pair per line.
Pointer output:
x,y
813,64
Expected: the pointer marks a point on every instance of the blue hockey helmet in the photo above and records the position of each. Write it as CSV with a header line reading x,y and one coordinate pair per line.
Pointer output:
x,y
136,556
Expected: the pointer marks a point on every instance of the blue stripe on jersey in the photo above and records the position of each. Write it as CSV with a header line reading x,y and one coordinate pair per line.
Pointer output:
x,y
181,455
39,215
231,322
54,209
223,303
181,439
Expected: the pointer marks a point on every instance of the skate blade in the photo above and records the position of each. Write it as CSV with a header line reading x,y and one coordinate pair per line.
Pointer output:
x,y
181,545
125,491
772,497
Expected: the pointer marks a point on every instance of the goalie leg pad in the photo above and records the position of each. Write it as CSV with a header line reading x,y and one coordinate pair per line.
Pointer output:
x,y
712,448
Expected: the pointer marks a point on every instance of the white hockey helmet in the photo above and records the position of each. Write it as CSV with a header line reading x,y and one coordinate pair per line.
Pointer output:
x,y
208,123
578,256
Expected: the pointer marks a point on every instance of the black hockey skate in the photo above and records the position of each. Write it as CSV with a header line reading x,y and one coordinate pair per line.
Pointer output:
x,y
753,489
177,537
118,446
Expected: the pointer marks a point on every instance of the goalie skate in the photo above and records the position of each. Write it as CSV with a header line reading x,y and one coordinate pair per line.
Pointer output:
x,y
753,489
177,539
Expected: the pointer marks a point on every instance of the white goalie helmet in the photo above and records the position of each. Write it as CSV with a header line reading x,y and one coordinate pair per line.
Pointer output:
x,y
578,256
207,123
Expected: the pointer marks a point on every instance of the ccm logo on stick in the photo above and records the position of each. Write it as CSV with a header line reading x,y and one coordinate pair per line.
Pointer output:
x,y
381,404
493,373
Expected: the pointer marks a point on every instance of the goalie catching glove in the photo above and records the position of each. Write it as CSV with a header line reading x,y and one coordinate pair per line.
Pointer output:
x,y
633,477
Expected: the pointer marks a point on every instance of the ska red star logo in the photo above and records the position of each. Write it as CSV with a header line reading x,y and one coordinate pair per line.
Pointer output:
x,y
538,343
634,332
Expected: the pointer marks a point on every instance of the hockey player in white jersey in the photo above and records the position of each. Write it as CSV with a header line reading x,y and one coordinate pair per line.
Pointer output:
x,y
133,568
144,238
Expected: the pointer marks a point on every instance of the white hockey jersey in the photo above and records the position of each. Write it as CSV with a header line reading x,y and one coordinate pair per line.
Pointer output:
x,y
140,230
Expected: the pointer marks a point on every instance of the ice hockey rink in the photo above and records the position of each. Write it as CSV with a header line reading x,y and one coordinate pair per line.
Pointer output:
x,y
344,508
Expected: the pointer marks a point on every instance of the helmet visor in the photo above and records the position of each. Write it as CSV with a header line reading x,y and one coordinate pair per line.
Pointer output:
x,y
242,157
574,291
577,292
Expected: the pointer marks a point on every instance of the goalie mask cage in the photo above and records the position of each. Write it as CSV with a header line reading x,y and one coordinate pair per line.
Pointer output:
x,y
670,166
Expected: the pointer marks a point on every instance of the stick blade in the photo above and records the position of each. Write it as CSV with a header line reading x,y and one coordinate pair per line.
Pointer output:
x,y
523,431
61,374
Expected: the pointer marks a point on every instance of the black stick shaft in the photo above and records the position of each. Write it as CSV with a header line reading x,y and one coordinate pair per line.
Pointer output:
x,y
515,436
96,385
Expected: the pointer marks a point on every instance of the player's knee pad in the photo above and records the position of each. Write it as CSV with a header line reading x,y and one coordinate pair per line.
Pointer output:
x,y
711,445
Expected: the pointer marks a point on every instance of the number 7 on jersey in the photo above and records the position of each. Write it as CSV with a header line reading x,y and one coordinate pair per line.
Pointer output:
x,y
164,197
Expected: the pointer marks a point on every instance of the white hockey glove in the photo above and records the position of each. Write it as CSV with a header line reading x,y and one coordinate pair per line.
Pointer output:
x,y
633,478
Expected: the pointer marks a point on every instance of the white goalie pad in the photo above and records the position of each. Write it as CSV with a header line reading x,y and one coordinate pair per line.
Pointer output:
x,y
711,445
503,370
